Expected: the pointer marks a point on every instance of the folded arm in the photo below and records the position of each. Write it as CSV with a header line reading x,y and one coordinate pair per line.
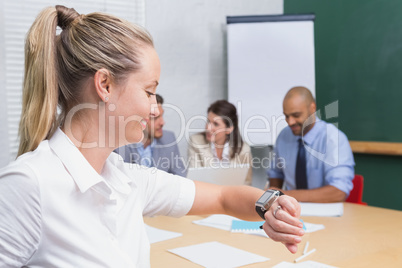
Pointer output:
x,y
325,194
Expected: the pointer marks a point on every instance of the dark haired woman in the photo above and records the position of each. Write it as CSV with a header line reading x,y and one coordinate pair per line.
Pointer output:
x,y
221,144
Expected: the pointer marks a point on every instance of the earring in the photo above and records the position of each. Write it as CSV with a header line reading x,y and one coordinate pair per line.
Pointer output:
x,y
106,99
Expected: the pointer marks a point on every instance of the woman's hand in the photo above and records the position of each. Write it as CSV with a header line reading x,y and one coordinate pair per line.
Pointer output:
x,y
283,224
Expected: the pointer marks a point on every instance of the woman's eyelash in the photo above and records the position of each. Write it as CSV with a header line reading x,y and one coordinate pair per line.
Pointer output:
x,y
150,93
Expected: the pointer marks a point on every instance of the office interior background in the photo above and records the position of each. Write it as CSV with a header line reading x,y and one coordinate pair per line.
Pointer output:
x,y
357,54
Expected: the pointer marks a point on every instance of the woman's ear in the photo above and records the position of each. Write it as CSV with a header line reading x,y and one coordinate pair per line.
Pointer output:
x,y
102,80
229,130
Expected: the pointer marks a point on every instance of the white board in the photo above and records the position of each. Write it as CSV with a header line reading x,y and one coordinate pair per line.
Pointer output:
x,y
267,55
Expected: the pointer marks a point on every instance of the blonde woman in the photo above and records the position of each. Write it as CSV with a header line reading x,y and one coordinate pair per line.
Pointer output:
x,y
221,144
68,201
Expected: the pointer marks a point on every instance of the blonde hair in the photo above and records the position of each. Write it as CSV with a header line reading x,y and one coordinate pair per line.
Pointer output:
x,y
56,66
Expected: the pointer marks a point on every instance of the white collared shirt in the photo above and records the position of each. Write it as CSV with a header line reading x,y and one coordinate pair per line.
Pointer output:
x,y
57,211
225,153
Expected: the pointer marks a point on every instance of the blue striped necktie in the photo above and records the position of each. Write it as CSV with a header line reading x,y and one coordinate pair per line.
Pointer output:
x,y
301,172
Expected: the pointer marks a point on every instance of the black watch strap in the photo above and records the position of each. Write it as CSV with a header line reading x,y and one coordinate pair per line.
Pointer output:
x,y
260,212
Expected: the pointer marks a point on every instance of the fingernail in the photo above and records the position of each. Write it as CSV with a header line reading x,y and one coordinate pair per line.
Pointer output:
x,y
302,224
298,239
301,232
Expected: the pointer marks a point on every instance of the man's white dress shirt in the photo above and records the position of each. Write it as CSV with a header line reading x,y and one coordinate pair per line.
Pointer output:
x,y
57,211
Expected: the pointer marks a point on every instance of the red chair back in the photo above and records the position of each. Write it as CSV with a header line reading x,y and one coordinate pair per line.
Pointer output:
x,y
356,195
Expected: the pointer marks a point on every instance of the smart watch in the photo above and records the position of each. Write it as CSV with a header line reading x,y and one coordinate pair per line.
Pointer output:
x,y
265,201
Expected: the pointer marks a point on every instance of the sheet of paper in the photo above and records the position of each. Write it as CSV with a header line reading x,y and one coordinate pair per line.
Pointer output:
x,y
311,227
157,235
239,226
322,209
248,227
220,221
305,264
215,254
224,222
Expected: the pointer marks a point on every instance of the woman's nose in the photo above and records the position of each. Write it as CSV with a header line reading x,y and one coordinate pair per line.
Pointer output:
x,y
154,110
209,127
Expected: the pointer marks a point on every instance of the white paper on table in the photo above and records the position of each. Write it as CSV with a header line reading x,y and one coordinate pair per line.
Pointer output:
x,y
322,209
215,254
258,233
312,227
220,221
305,264
157,235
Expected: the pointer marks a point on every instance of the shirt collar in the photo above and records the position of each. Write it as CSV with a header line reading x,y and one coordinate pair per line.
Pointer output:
x,y
225,153
318,127
152,145
81,171
140,145
116,179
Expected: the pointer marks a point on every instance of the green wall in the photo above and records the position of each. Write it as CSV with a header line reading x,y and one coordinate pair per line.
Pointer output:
x,y
358,50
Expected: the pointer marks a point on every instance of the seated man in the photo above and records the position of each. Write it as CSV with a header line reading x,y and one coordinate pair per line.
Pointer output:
x,y
318,164
157,149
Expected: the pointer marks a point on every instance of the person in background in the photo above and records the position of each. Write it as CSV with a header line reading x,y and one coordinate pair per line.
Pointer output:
x,y
319,164
67,200
221,142
158,148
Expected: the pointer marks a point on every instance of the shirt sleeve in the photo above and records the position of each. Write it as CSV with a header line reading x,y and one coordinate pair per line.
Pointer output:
x,y
275,170
167,194
178,167
191,154
20,214
339,171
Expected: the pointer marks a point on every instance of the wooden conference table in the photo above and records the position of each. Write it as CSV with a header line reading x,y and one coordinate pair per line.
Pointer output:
x,y
363,237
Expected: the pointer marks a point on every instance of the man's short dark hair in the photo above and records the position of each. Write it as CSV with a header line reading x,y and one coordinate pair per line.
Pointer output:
x,y
159,99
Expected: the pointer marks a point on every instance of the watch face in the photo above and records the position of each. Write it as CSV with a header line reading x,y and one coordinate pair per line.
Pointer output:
x,y
266,196
265,201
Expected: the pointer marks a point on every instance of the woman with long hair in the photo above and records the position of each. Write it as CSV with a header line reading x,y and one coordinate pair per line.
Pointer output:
x,y
221,144
68,201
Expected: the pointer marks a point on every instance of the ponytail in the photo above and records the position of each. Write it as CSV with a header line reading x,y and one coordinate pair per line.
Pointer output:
x,y
40,93
56,67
